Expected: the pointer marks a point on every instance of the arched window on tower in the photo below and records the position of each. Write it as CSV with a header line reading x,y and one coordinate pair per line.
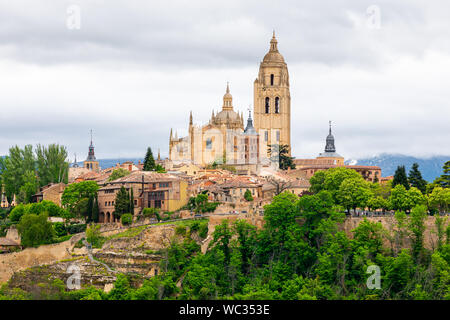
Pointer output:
x,y
267,105
271,79
277,105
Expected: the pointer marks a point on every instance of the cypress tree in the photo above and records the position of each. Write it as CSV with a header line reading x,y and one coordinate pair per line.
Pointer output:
x,y
90,208
444,180
122,203
149,161
95,211
400,177
415,178
131,201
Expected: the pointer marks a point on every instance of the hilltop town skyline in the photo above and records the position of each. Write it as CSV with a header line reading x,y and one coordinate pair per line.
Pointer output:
x,y
361,78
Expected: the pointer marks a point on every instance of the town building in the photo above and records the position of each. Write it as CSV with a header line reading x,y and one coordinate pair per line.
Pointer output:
x,y
51,192
150,190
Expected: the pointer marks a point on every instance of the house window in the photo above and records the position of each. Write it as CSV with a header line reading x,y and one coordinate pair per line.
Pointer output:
x,y
277,105
209,144
267,105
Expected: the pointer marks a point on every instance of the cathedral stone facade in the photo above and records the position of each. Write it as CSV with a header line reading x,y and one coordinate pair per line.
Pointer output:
x,y
225,140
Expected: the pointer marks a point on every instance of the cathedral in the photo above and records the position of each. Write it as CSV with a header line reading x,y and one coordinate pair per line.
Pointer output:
x,y
225,139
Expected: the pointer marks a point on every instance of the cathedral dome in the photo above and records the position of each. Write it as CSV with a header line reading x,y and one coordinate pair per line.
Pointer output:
x,y
225,115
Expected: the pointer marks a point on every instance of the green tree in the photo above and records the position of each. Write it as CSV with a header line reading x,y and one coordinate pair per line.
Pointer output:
x,y
90,209
95,211
248,195
131,201
15,167
282,151
76,196
439,198
29,187
149,161
317,181
122,202
35,230
417,228
118,173
398,199
400,178
51,164
444,179
354,193
415,178
376,203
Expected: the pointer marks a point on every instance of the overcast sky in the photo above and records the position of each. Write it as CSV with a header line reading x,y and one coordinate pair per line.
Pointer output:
x,y
134,69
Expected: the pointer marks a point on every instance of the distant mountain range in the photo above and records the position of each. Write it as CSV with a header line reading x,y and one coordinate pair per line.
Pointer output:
x,y
429,167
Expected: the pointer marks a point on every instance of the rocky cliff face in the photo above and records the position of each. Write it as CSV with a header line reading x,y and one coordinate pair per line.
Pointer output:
x,y
135,251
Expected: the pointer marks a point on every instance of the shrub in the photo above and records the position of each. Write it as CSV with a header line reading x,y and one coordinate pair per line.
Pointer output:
x,y
60,229
35,230
248,195
150,212
76,228
203,230
180,230
126,219
94,237
17,213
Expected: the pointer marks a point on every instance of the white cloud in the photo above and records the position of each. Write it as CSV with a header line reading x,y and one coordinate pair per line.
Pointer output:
x,y
135,69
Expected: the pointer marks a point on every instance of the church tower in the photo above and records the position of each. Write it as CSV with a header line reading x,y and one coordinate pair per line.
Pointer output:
x,y
272,100
91,162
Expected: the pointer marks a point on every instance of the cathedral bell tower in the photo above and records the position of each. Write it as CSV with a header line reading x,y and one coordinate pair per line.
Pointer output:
x,y
272,100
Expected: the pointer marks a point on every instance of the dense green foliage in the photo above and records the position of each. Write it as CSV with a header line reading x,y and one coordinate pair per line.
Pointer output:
x,y
76,198
24,171
200,203
302,251
248,195
126,219
35,230
123,202
46,206
400,177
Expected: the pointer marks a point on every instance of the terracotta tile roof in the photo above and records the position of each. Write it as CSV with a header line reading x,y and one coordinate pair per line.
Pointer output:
x,y
149,176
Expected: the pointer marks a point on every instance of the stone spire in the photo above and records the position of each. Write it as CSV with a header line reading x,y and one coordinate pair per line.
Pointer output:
x,y
75,164
249,129
159,155
190,119
227,99
273,43
91,154
329,147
